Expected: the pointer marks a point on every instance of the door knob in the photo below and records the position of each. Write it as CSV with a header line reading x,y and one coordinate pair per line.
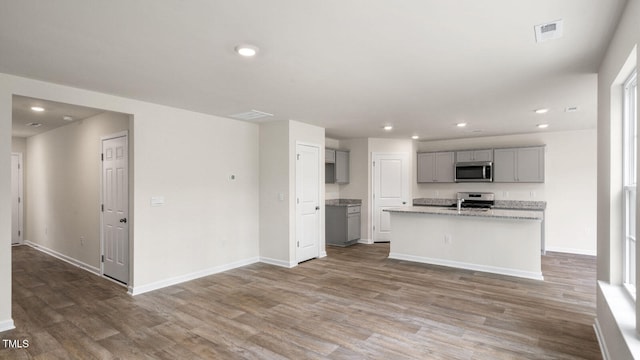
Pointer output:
x,y
123,220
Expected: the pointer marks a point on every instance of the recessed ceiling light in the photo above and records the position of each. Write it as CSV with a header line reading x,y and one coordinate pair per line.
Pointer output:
x,y
543,126
388,127
247,50
542,111
37,108
67,118
415,137
462,124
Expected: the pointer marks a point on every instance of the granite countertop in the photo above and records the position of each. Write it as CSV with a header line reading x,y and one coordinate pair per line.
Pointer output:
x,y
343,202
499,204
489,213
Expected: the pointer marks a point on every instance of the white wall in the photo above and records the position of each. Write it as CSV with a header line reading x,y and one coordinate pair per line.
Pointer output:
x,y
274,182
19,145
569,188
6,322
209,222
278,151
621,340
63,167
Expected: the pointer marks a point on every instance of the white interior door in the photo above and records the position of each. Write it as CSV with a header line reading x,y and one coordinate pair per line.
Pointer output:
x,y
391,188
307,202
16,199
115,197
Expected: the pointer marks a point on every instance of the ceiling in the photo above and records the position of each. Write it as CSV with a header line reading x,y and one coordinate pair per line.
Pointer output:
x,y
350,66
52,117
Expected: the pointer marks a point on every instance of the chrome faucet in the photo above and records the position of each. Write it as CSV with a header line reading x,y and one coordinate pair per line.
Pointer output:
x,y
460,201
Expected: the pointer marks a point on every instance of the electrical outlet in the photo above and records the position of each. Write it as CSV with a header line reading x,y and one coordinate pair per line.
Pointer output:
x,y
447,239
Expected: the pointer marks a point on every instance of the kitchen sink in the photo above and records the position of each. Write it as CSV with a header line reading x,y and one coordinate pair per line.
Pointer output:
x,y
469,209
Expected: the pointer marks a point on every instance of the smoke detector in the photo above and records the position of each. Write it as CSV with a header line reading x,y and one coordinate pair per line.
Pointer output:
x,y
548,31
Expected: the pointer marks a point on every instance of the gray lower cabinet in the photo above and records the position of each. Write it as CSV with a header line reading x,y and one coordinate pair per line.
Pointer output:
x,y
342,225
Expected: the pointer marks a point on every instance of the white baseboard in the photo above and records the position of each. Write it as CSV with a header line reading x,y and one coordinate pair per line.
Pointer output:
x,y
323,254
469,266
571,250
137,290
92,269
365,241
280,263
603,345
7,325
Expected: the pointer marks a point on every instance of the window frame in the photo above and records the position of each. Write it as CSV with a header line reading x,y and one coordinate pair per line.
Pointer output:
x,y
630,163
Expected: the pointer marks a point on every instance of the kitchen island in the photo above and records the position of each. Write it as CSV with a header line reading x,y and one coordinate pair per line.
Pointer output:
x,y
498,241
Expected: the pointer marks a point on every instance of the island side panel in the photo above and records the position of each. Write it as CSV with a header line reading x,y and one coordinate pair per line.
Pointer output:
x,y
496,245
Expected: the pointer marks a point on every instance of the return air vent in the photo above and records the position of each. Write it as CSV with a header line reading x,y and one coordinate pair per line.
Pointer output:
x,y
548,31
251,115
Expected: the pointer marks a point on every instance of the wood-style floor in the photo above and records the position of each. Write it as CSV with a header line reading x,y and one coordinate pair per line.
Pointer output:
x,y
353,304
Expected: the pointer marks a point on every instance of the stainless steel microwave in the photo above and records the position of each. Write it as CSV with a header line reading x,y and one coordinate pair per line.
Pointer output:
x,y
474,171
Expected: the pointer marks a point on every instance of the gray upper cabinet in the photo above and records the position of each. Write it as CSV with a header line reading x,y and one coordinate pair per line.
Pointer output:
x,y
342,167
474,155
336,166
329,156
519,164
435,167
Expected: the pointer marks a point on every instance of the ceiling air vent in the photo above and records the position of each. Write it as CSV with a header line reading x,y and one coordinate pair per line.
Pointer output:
x,y
548,31
251,115
34,124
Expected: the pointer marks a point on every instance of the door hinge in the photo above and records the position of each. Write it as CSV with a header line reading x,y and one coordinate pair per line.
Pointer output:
x,y
102,157
374,228
297,200
102,207
298,243
298,157
19,232
18,166
19,199
374,163
102,258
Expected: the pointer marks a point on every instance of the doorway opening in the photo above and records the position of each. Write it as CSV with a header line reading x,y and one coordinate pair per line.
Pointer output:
x,y
62,202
